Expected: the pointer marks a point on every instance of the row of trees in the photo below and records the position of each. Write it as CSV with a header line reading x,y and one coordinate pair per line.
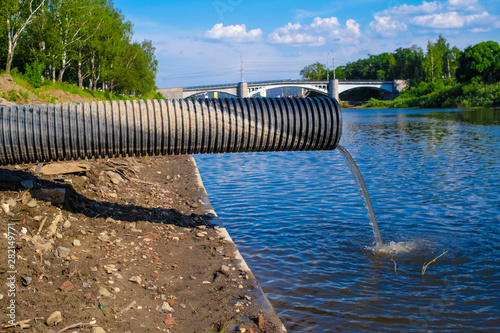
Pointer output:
x,y
480,62
84,42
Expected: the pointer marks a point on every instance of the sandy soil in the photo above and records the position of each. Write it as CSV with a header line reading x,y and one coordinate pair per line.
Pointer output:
x,y
118,245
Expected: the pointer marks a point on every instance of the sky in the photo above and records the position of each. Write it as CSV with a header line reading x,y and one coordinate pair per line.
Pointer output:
x,y
209,42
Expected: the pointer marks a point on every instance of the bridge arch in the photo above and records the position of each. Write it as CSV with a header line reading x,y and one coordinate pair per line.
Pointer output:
x,y
256,90
209,91
382,87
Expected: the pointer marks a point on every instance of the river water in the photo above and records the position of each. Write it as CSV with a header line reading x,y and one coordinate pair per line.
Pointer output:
x,y
300,223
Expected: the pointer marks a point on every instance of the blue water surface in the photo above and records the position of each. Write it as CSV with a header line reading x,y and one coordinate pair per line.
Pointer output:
x,y
299,222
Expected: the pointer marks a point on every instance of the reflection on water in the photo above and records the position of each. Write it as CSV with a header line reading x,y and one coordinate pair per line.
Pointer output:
x,y
300,224
485,117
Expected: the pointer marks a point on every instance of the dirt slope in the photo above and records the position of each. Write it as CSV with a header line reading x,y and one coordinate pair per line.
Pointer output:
x,y
10,88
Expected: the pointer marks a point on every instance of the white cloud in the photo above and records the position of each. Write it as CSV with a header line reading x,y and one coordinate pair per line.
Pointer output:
x,y
480,30
353,28
387,26
439,14
448,20
234,33
470,5
319,32
404,9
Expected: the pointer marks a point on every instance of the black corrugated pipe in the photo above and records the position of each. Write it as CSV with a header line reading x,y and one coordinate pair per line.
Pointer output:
x,y
77,131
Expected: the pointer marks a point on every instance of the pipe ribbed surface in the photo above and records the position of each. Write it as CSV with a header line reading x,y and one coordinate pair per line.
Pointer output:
x,y
42,133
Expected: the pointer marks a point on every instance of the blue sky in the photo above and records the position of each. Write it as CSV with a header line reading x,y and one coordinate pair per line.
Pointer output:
x,y
204,42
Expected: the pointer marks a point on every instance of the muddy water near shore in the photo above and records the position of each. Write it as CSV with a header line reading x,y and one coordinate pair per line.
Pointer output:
x,y
300,223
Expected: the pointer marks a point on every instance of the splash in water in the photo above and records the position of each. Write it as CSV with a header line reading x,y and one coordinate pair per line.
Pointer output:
x,y
364,194
396,248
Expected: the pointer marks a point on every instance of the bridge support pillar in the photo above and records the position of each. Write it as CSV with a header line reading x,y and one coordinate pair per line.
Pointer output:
x,y
333,89
242,90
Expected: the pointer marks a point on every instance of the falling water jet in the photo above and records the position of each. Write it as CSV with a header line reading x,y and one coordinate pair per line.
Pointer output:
x,y
364,193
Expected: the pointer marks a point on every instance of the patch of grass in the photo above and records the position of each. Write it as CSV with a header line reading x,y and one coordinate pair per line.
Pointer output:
x,y
44,91
13,96
24,95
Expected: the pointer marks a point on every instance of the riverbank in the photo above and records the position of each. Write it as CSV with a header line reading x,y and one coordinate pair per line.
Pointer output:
x,y
122,245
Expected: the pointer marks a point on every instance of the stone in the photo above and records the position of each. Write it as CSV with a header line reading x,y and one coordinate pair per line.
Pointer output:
x,y
66,286
6,208
166,307
66,224
97,329
62,252
169,320
110,220
26,280
32,204
28,183
54,318
103,237
53,227
76,242
136,279
104,292
225,270
260,320
115,178
110,268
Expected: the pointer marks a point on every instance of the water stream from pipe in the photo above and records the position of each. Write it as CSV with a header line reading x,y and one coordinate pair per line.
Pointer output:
x,y
364,193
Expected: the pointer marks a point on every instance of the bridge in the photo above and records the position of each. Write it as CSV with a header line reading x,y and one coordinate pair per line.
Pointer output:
x,y
330,88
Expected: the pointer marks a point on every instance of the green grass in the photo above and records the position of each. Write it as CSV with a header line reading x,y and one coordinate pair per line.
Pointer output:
x,y
444,94
44,92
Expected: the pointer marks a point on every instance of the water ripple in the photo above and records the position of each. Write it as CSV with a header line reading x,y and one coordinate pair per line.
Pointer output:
x,y
300,223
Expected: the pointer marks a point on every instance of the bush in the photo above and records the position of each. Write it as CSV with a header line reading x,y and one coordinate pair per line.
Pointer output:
x,y
33,74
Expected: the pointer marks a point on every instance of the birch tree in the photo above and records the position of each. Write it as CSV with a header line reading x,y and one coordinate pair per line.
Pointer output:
x,y
16,15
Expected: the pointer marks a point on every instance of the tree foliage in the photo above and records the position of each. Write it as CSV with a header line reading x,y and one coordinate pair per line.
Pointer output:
x,y
84,42
316,71
478,63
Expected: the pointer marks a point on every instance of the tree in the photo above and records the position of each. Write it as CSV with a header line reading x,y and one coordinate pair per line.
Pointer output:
x,y
443,48
340,73
433,62
480,61
87,42
16,16
315,71
409,65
